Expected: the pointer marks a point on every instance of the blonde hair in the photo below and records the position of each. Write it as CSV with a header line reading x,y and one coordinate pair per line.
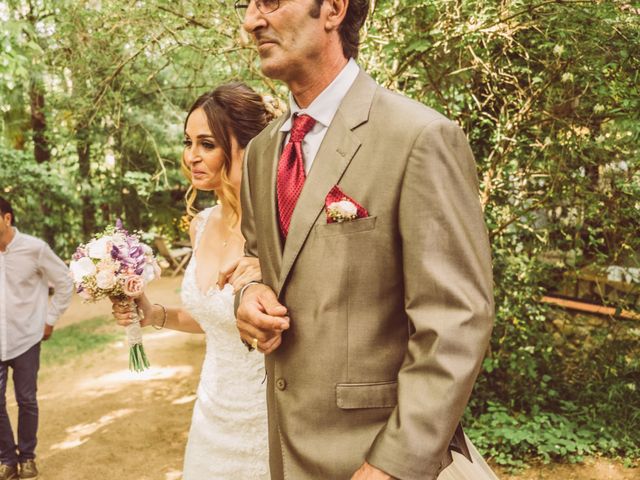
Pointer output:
x,y
233,110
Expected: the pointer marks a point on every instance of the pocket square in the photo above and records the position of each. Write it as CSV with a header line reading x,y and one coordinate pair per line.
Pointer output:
x,y
341,207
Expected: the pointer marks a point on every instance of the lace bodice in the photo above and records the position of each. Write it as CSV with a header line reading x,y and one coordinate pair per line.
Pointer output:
x,y
212,309
229,423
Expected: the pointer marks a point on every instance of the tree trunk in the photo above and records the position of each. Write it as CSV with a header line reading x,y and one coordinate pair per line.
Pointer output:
x,y
41,151
83,148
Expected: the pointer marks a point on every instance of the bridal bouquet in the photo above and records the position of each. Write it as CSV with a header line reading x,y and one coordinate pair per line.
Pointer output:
x,y
117,264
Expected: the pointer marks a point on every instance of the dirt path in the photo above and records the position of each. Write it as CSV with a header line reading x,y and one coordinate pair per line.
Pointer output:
x,y
99,421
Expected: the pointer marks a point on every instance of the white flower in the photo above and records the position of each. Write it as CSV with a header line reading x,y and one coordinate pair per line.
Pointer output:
x,y
108,264
81,268
105,279
558,50
100,248
119,240
567,77
148,273
598,108
342,210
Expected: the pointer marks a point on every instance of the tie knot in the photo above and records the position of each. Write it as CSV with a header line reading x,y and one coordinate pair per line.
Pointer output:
x,y
301,126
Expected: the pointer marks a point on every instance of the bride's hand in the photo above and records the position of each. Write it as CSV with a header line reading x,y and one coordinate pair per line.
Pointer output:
x,y
125,311
240,272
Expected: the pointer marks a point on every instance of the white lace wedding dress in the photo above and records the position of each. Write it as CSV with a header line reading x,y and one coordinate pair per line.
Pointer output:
x,y
228,436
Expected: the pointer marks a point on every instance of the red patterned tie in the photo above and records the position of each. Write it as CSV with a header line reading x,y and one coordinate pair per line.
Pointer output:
x,y
291,174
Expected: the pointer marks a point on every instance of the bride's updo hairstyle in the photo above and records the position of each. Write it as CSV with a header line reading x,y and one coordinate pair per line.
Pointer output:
x,y
231,109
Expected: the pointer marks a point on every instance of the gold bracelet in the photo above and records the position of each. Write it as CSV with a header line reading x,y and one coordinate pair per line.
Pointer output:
x,y
164,318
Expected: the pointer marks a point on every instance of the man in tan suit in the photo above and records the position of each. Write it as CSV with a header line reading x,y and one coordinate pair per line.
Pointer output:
x,y
376,304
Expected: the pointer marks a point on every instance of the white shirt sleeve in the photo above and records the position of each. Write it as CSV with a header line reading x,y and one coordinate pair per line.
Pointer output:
x,y
57,273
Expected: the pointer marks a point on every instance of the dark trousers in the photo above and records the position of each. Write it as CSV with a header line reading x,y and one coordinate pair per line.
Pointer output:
x,y
25,378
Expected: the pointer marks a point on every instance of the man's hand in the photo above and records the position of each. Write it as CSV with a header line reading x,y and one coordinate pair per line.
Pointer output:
x,y
48,331
369,472
260,316
239,273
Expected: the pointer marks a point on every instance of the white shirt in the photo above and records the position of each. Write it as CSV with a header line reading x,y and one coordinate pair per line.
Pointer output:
x,y
322,109
26,267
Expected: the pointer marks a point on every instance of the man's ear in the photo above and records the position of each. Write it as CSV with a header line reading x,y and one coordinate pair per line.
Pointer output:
x,y
337,10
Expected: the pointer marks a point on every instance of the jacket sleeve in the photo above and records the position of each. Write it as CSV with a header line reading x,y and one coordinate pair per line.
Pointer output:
x,y
248,225
448,301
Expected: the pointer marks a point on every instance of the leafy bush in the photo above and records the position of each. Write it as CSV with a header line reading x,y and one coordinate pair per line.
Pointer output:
x,y
547,93
512,439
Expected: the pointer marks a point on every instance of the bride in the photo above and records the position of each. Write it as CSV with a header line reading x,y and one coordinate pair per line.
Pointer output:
x,y
228,435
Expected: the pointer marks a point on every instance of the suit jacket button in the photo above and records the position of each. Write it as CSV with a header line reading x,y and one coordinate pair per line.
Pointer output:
x,y
281,384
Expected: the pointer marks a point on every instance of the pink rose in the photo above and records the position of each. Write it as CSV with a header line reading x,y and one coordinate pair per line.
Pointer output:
x,y
133,286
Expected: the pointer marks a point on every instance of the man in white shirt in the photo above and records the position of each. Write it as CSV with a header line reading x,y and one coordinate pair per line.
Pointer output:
x,y
27,267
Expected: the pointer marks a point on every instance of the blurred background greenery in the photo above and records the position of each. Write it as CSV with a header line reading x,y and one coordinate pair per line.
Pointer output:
x,y
93,96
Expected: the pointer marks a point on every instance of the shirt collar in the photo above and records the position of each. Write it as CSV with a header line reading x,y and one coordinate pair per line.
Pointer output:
x,y
13,241
324,106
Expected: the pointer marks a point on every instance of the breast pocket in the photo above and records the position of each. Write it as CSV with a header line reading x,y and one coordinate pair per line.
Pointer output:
x,y
347,227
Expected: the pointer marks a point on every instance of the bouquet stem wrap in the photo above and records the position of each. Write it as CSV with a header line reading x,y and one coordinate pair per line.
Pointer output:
x,y
138,360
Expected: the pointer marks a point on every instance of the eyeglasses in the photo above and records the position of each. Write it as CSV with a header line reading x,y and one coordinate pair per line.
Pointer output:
x,y
263,6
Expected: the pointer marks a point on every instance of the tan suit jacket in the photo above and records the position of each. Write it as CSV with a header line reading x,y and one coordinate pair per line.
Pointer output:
x,y
390,314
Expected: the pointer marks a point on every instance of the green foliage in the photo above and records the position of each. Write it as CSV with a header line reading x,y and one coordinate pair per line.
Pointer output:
x,y
30,185
510,439
117,80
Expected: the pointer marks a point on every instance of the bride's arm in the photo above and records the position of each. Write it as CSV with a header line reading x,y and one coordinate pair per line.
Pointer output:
x,y
154,314
176,318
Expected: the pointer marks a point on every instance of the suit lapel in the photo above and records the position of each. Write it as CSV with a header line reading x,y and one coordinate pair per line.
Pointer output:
x,y
339,146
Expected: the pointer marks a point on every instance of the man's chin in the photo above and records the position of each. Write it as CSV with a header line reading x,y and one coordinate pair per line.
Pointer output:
x,y
272,68
278,64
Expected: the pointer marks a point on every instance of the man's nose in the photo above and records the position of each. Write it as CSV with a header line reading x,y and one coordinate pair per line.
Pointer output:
x,y
253,18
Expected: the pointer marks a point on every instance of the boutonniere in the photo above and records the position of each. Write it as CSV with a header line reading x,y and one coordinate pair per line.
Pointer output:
x,y
341,207
342,210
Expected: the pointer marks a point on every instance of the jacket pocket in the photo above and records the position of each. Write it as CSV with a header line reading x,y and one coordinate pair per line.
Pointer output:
x,y
349,226
367,395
